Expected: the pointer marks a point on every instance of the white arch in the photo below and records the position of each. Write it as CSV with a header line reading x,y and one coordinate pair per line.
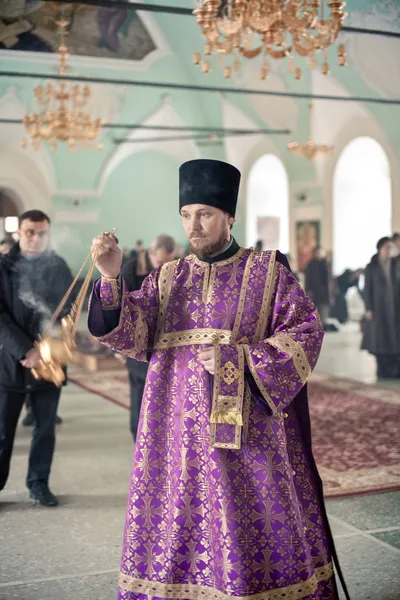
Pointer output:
x,y
268,196
362,203
20,175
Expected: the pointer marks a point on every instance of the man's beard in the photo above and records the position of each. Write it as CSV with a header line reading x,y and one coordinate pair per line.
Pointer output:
x,y
211,249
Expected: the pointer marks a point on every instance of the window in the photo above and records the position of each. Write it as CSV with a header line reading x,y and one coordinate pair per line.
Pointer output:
x,y
268,204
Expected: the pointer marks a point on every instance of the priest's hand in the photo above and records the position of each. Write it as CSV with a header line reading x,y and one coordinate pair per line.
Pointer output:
x,y
32,357
207,358
107,254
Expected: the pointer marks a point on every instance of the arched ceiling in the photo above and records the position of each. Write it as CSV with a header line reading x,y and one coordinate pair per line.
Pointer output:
x,y
127,41
114,43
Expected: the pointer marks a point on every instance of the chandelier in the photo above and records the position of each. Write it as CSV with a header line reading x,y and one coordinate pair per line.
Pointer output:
x,y
62,116
274,29
310,149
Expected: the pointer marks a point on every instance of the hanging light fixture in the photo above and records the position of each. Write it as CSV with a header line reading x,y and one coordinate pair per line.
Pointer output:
x,y
310,149
274,29
62,117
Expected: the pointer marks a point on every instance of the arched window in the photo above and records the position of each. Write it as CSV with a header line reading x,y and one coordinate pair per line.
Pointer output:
x,y
268,204
362,203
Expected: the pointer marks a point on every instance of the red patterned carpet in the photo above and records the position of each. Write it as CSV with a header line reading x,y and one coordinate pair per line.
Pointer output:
x,y
356,438
355,428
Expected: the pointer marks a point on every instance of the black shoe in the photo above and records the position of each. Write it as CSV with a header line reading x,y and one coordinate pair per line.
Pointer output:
x,y
28,420
58,420
42,494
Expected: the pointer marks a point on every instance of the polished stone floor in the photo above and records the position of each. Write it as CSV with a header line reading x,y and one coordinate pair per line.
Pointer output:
x,y
72,552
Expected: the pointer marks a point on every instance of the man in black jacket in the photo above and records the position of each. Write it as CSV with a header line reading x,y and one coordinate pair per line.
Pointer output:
x,y
161,251
317,283
33,280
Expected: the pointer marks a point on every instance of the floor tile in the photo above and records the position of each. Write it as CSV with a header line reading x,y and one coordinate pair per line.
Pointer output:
x,y
95,587
390,537
371,571
373,511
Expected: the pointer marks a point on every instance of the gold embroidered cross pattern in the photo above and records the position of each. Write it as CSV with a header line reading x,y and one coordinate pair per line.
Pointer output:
x,y
229,373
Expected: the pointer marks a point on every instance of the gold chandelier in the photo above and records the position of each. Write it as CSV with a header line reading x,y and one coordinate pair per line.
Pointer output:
x,y
310,149
62,116
270,28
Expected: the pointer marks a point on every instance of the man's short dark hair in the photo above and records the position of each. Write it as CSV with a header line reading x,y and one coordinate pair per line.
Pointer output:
x,y
395,237
6,241
382,242
36,216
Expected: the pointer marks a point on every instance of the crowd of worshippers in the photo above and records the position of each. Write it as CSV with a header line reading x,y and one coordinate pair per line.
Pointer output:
x,y
380,295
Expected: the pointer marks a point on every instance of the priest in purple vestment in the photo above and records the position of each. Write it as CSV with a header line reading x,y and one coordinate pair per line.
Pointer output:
x,y
225,500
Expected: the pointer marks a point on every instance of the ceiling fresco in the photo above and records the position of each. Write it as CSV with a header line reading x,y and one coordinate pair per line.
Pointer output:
x,y
93,31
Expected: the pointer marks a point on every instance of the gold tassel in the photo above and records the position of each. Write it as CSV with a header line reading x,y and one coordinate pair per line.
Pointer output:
x,y
228,418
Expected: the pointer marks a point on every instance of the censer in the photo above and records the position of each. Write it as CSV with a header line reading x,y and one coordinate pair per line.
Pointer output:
x,y
57,344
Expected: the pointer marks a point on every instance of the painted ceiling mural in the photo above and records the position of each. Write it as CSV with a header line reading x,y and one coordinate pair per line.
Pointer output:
x,y
100,32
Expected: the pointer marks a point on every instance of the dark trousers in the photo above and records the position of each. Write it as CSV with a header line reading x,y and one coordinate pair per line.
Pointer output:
x,y
137,379
44,408
388,366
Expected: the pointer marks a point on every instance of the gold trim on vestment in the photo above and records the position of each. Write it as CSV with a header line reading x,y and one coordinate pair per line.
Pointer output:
x,y
284,343
262,322
137,331
208,283
246,413
242,296
226,412
174,591
164,291
115,290
258,381
227,409
176,339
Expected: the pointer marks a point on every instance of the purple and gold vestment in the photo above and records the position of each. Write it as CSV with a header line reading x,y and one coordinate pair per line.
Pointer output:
x,y
224,500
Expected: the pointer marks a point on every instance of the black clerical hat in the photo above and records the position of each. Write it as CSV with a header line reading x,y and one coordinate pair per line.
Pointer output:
x,y
210,182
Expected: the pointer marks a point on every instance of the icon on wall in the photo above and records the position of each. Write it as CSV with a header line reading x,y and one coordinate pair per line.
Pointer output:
x,y
308,237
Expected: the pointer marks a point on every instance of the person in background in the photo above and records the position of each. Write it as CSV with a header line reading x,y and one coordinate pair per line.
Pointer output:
x,y
126,255
134,272
138,250
317,283
382,317
5,246
33,280
29,418
396,244
344,282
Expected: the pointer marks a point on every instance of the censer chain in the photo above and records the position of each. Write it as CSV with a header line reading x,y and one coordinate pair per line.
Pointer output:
x,y
76,309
